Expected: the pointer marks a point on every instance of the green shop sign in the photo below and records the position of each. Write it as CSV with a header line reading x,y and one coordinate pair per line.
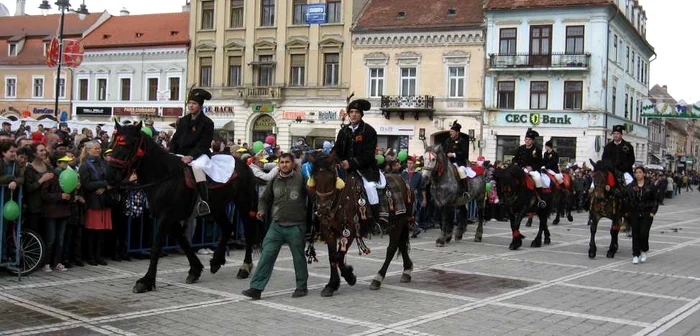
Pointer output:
x,y
264,108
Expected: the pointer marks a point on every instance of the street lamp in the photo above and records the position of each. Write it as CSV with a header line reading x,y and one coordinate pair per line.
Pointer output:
x,y
63,6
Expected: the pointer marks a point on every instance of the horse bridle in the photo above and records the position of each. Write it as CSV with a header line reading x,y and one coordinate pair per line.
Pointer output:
x,y
323,209
136,154
438,165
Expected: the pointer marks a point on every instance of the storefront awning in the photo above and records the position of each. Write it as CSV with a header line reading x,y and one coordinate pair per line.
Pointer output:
x,y
223,124
310,131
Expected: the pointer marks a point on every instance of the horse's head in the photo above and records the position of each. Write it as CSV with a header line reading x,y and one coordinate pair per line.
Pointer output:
x,y
433,162
127,150
324,174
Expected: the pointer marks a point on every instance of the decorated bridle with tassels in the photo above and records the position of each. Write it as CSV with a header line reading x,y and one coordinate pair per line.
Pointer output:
x,y
439,166
132,163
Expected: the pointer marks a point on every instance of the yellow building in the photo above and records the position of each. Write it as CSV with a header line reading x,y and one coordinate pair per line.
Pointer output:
x,y
28,84
421,64
268,70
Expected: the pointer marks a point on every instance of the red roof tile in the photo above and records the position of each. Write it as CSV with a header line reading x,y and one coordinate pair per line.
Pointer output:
x,y
140,30
517,4
32,53
37,25
384,14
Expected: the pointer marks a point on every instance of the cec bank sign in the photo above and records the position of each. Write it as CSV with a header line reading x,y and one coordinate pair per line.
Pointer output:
x,y
551,119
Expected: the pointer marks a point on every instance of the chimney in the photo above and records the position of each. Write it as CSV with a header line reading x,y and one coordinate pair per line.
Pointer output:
x,y
186,7
124,12
20,7
665,88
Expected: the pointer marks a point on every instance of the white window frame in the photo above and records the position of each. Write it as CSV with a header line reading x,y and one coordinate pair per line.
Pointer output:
x,y
145,86
370,78
131,87
9,49
43,86
7,78
77,87
400,86
179,93
449,80
97,87
62,94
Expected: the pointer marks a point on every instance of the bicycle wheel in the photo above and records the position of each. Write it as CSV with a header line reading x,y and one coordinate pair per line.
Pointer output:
x,y
31,253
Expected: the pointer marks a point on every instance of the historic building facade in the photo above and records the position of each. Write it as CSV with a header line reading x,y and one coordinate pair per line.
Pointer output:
x,y
268,70
421,66
570,71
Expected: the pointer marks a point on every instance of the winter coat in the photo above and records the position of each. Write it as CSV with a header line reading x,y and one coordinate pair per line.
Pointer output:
x,y
54,204
642,200
193,137
358,148
92,180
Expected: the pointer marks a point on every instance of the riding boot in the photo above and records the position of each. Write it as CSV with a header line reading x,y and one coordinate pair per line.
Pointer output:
x,y
375,217
202,204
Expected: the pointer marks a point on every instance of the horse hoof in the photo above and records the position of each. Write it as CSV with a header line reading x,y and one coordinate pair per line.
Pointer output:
x,y
349,277
610,254
327,292
547,241
440,242
591,254
375,285
242,274
141,287
570,218
477,239
555,222
536,243
405,278
215,265
191,279
448,239
458,238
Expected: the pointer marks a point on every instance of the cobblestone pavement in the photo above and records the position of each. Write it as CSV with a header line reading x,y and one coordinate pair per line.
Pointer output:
x,y
465,288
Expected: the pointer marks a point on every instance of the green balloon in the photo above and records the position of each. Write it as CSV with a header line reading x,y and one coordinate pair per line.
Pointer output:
x,y
148,131
258,146
11,210
403,155
68,180
380,158
488,186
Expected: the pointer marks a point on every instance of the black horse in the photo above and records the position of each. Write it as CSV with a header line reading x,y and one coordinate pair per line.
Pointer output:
x,y
171,195
606,202
514,189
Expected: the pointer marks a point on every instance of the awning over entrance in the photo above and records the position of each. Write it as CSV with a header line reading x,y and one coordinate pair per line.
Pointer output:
x,y
223,124
306,131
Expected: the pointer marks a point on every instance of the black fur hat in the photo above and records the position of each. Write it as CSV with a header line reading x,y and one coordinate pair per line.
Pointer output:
x,y
360,105
456,127
618,128
199,95
532,134
548,143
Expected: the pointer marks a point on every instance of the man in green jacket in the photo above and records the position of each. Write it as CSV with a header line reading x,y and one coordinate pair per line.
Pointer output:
x,y
287,194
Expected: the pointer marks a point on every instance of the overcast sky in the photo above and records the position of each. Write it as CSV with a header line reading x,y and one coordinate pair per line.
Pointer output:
x,y
672,30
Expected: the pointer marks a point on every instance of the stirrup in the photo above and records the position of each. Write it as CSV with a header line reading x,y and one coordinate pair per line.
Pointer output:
x,y
466,195
541,203
203,208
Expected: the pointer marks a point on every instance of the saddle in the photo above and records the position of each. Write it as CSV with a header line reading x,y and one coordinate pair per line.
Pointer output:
x,y
192,184
553,181
391,199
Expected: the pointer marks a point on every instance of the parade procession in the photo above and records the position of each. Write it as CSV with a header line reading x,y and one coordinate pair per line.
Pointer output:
x,y
348,167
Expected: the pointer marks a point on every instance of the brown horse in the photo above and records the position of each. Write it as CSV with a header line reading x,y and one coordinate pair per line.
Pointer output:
x,y
342,209
602,205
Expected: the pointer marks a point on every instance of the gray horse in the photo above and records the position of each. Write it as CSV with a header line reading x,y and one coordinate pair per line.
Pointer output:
x,y
447,192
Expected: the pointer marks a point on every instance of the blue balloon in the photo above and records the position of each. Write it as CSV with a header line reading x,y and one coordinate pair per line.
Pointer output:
x,y
306,169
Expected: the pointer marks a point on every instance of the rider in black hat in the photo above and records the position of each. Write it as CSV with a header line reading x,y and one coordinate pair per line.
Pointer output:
x,y
192,139
620,153
529,157
457,149
550,161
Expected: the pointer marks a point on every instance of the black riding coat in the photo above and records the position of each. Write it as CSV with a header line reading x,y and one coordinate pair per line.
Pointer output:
x,y
551,161
460,147
529,157
642,200
193,137
358,148
621,156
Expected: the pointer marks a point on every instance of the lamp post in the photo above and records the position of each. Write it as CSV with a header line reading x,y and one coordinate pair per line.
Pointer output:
x,y
63,6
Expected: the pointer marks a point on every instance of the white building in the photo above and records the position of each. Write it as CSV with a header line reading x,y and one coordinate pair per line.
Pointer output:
x,y
134,68
571,72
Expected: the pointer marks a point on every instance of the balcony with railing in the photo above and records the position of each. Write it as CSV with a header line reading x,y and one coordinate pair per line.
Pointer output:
x,y
256,94
402,104
558,61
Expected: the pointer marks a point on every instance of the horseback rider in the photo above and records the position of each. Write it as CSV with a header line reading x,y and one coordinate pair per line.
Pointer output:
x,y
551,162
529,157
620,154
457,149
192,140
354,148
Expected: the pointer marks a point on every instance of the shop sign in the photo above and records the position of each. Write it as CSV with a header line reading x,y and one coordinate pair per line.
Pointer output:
x,y
172,111
546,119
293,115
396,130
102,111
264,123
267,108
125,111
536,119
42,111
327,115
218,109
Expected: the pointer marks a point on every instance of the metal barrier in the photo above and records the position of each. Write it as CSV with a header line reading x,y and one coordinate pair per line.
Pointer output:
x,y
7,242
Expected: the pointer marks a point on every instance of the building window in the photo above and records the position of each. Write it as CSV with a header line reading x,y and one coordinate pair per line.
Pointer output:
x,y
297,69
83,85
573,95
456,80
12,49
331,73
153,89
506,95
639,63
236,14
267,14
38,91
205,64
62,88
627,111
614,100
10,87
334,11
125,89
508,43
102,89
235,77
632,117
376,82
615,50
628,59
299,12
408,82
574,40
266,73
566,148
174,86
632,67
538,95
506,146
208,15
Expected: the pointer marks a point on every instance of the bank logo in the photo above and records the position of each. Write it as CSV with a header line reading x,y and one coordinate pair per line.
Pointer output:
x,y
535,119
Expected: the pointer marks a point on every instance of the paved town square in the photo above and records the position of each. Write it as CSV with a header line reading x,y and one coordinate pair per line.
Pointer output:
x,y
465,288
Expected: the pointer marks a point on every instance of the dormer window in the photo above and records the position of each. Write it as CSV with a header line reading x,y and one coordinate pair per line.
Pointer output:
x,y
451,12
138,35
401,15
12,49
46,47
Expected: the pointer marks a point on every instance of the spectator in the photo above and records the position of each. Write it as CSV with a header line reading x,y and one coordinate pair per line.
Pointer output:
x,y
63,131
36,174
57,211
643,207
415,182
10,172
98,217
